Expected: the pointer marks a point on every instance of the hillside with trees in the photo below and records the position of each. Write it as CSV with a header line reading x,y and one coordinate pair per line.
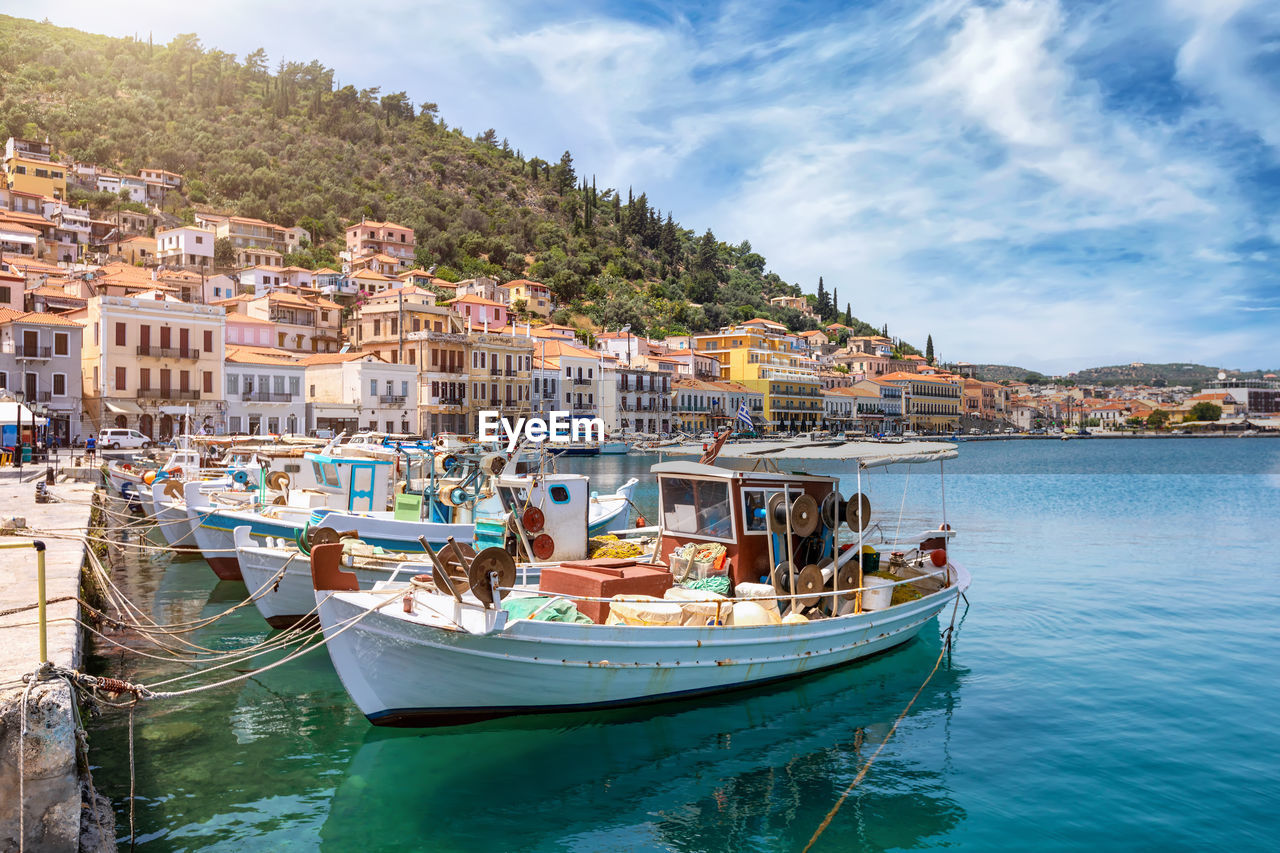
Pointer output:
x,y
1158,375
293,145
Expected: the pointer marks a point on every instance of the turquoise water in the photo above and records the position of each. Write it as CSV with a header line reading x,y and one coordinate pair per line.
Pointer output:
x,y
1115,685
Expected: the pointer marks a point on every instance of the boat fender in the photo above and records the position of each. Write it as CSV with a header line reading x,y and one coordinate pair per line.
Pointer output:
x,y
938,557
641,521
149,477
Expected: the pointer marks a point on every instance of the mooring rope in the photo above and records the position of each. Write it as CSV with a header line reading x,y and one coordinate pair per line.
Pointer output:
x,y
862,771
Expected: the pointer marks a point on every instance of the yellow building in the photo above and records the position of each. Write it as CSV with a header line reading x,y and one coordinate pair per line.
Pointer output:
x,y
29,168
765,358
930,404
535,296
150,360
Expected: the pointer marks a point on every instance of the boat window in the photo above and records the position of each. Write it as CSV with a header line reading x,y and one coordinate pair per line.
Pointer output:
x,y
697,507
753,506
293,469
560,494
330,474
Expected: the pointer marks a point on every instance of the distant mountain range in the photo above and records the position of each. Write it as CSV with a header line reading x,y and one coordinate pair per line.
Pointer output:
x,y
1194,375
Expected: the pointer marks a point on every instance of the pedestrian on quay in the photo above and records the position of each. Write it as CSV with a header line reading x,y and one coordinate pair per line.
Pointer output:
x,y
90,447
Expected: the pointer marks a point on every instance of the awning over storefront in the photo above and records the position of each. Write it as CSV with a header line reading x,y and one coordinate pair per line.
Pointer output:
x,y
123,407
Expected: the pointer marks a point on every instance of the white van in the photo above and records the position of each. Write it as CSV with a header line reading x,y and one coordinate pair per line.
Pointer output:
x,y
118,438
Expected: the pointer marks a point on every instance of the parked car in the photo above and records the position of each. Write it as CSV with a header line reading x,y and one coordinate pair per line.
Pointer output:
x,y
118,438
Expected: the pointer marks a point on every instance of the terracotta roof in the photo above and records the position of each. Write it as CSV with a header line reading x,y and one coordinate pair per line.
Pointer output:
x,y
259,355
7,314
15,228
369,223
367,273
524,282
338,357
850,391
472,299
236,317
761,321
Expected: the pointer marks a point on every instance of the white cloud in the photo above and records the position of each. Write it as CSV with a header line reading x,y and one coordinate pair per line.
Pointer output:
x,y
953,167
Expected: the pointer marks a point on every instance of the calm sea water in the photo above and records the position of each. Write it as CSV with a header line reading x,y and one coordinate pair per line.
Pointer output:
x,y
1115,685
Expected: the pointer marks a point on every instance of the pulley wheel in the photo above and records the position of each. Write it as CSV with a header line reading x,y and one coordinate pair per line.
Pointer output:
x,y
490,560
857,513
808,584
848,578
831,506
543,547
781,578
533,519
804,515
278,480
457,571
775,512
324,536
493,463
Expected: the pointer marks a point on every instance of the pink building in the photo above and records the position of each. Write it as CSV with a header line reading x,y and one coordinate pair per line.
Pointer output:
x,y
480,311
249,331
388,238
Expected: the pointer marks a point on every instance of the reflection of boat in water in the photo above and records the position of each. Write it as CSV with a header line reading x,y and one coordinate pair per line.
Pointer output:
x,y
758,770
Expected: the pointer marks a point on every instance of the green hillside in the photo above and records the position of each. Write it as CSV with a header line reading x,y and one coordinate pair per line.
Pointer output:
x,y
1193,375
290,145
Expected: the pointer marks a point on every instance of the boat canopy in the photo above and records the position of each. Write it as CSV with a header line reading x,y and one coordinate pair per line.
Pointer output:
x,y
869,454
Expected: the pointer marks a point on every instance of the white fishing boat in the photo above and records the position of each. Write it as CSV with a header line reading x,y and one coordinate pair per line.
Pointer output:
x,y
546,518
427,653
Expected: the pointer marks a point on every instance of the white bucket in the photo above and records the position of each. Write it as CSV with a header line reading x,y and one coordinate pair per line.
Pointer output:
x,y
877,593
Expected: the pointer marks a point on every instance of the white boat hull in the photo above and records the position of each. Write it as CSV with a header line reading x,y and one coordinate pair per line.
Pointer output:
x,y
280,581
401,671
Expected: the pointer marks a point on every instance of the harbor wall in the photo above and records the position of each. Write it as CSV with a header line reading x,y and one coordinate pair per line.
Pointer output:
x,y
50,764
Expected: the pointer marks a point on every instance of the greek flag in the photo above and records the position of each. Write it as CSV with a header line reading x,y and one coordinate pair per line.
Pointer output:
x,y
744,417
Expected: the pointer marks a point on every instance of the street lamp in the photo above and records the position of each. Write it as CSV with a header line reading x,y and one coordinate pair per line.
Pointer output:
x,y
19,397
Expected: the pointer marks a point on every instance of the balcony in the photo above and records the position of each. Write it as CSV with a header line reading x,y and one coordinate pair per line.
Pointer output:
x,y
452,369
33,352
167,394
493,371
265,397
449,401
391,400
581,381
169,352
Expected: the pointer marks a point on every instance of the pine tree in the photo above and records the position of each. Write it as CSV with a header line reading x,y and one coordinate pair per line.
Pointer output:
x,y
928,349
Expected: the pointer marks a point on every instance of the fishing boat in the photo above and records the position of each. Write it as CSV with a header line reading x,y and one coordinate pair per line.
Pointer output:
x,y
434,652
544,518
614,447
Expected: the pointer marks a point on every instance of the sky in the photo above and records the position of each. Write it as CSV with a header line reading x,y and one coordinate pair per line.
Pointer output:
x,y
1050,184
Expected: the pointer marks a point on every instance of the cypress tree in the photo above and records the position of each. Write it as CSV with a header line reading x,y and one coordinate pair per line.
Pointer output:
x,y
928,349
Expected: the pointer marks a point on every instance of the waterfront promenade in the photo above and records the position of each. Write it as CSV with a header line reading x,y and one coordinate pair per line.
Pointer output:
x,y
52,783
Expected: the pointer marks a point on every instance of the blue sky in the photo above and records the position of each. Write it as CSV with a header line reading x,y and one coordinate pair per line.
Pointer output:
x,y
1051,184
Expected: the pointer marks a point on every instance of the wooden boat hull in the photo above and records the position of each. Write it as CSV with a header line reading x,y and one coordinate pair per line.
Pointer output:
x,y
401,672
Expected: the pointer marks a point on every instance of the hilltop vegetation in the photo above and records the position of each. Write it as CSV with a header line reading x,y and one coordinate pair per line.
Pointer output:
x,y
294,146
1159,375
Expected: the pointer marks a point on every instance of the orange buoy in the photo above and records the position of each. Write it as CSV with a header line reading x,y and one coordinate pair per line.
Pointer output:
x,y
704,447
938,557
641,522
